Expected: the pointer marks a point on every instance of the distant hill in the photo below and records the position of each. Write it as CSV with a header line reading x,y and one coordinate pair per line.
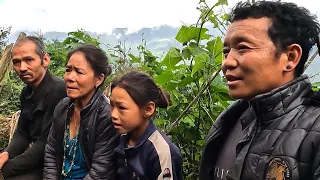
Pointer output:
x,y
159,40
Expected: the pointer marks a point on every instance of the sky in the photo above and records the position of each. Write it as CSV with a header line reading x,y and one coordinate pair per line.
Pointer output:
x,y
104,15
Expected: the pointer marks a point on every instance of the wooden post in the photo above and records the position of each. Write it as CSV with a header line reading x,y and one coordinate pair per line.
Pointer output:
x,y
5,60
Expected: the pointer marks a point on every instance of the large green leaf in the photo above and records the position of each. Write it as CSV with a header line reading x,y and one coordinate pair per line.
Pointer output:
x,y
163,78
172,58
186,34
186,53
218,46
199,62
210,45
134,59
185,81
221,2
188,121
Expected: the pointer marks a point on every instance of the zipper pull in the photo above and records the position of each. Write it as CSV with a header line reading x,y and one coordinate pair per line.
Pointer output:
x,y
125,162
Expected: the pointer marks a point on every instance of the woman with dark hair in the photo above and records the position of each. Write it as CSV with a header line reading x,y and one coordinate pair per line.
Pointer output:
x,y
82,138
143,152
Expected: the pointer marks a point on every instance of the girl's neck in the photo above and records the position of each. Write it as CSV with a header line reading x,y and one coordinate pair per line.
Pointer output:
x,y
137,133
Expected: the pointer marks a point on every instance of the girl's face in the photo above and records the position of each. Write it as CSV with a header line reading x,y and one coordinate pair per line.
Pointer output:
x,y
126,115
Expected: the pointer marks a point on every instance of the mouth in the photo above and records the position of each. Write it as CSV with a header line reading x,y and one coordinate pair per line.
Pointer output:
x,y
71,88
232,80
25,75
117,125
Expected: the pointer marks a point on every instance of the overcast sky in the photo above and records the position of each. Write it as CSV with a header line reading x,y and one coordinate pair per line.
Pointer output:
x,y
104,15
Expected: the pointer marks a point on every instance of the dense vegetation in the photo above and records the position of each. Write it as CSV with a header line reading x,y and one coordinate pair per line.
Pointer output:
x,y
190,74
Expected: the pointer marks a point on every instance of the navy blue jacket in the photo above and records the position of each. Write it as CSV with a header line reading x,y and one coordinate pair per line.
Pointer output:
x,y
154,157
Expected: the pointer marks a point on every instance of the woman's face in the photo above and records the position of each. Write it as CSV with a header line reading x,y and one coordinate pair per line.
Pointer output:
x,y
80,79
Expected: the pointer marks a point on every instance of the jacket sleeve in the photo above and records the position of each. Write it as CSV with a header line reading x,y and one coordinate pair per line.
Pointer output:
x,y
34,154
165,166
103,164
316,157
28,159
50,169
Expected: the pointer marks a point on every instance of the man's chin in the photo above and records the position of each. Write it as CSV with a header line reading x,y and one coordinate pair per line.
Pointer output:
x,y
28,81
239,95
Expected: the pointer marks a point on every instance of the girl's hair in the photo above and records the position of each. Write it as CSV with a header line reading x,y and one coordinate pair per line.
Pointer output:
x,y
95,57
142,89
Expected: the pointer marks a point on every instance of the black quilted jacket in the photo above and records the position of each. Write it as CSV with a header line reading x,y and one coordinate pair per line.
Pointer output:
x,y
98,138
281,136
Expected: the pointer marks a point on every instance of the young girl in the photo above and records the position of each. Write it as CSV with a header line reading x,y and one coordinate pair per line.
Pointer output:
x,y
144,153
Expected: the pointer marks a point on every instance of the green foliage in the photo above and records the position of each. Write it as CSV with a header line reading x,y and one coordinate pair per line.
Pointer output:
x,y
58,53
10,92
4,33
183,73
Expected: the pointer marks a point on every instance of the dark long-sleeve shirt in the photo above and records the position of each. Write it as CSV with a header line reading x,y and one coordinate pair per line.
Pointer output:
x,y
26,149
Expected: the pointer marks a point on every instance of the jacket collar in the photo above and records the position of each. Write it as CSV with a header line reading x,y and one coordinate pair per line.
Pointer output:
x,y
84,111
266,106
282,100
124,139
37,96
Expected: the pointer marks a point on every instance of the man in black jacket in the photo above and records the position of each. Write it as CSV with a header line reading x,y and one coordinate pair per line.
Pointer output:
x,y
23,158
273,131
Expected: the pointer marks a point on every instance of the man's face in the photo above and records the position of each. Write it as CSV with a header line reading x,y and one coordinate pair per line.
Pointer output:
x,y
251,66
28,64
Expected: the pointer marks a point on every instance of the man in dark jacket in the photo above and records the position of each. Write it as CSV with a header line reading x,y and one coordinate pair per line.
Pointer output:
x,y
273,131
23,158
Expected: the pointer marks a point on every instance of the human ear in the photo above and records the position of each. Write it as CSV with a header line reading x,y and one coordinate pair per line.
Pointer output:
x,y
149,109
46,60
99,80
294,53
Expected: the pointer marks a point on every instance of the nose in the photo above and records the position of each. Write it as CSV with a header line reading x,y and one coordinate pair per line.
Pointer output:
x,y
230,62
69,76
114,114
23,66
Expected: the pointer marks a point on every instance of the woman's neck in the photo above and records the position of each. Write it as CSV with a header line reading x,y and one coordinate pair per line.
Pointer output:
x,y
137,133
83,101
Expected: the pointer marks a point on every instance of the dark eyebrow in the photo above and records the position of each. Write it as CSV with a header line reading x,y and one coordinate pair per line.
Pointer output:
x,y
16,59
76,68
27,57
119,102
240,39
237,40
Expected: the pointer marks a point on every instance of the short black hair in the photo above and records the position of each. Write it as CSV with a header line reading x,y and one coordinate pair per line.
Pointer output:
x,y
289,24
